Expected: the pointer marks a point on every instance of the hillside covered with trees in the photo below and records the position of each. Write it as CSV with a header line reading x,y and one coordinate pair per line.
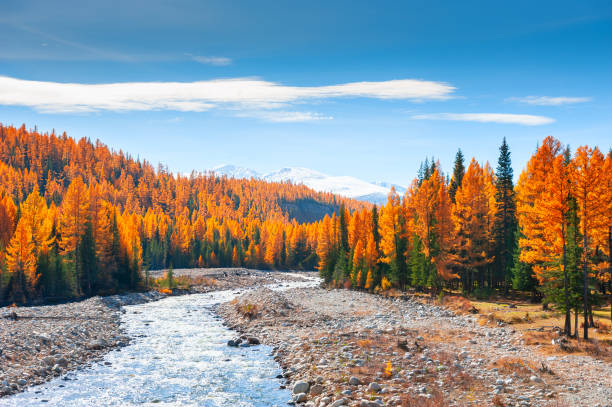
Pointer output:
x,y
78,219
477,232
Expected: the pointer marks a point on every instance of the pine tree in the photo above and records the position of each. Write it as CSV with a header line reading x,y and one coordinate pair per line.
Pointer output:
x,y
458,173
505,217
88,261
523,278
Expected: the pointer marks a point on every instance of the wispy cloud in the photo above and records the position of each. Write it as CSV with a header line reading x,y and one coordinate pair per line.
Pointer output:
x,y
211,60
549,100
242,93
285,116
506,118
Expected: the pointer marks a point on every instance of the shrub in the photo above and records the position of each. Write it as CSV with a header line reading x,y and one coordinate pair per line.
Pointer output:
x,y
250,311
385,284
482,293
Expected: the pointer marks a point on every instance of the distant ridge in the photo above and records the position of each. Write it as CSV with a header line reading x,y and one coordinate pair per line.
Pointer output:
x,y
347,186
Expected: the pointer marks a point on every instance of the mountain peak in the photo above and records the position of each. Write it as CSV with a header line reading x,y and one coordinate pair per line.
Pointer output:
x,y
344,185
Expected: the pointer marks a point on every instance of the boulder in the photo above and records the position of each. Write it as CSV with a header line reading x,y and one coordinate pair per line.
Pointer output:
x,y
49,360
233,343
301,387
374,387
300,398
316,389
63,362
97,344
354,381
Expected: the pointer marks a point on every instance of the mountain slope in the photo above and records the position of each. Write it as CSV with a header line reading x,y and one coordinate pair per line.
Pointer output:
x,y
346,186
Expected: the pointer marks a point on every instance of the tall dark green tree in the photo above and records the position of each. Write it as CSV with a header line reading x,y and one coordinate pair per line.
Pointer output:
x,y
376,237
88,260
564,289
458,173
504,228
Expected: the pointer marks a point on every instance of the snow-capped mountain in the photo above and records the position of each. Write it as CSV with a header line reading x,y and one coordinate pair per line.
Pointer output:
x,y
347,186
234,171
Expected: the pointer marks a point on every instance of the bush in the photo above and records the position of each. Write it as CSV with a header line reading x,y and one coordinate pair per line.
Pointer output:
x,y
482,293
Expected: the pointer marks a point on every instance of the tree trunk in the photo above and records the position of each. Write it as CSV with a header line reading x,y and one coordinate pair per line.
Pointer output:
x,y
576,332
568,321
586,276
610,265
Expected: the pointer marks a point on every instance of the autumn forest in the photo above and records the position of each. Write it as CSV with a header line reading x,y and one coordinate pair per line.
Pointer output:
x,y
79,219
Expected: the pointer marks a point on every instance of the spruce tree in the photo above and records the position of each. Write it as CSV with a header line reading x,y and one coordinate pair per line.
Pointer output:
x,y
505,218
88,260
458,173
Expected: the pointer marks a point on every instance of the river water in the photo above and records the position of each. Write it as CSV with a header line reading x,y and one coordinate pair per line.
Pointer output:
x,y
178,357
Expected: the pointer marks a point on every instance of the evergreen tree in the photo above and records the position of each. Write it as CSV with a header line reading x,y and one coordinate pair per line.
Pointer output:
x,y
567,297
88,260
505,218
458,173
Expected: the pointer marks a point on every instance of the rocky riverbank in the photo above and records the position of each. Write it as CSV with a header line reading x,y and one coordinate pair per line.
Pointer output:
x,y
42,342
39,343
340,347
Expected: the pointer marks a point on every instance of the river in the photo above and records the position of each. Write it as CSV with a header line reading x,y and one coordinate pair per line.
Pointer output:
x,y
178,357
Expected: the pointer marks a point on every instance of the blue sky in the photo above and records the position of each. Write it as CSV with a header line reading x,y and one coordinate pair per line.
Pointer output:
x,y
346,87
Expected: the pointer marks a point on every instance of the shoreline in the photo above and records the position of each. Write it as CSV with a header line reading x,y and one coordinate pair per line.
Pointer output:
x,y
341,347
46,341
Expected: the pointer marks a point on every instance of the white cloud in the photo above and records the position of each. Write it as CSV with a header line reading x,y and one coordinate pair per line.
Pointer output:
x,y
550,100
524,119
209,60
243,93
285,116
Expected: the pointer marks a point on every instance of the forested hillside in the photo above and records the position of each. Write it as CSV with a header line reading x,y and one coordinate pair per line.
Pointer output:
x,y
550,234
77,218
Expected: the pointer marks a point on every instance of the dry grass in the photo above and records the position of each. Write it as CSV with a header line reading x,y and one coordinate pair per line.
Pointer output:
x,y
459,304
413,400
365,343
539,338
498,401
247,310
510,365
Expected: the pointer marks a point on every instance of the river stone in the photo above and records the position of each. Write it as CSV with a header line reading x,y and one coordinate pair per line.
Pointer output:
x,y
316,389
49,360
253,341
354,381
234,342
62,362
375,387
97,344
22,382
300,398
368,403
340,402
300,387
